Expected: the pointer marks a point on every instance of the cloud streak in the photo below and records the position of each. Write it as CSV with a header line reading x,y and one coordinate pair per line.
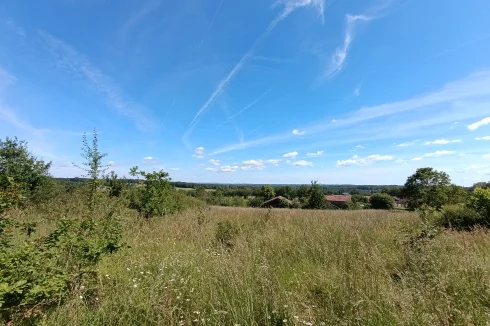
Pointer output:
x,y
210,26
70,60
244,109
478,124
288,7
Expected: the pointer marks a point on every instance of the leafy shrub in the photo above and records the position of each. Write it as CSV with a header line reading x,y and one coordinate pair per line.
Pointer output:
x,y
114,184
226,232
382,201
460,217
10,194
38,274
18,165
295,203
316,199
255,202
154,196
480,201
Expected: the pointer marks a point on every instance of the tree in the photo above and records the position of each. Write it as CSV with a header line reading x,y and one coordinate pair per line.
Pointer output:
x,y
382,201
267,192
19,166
285,191
303,192
427,187
316,198
93,167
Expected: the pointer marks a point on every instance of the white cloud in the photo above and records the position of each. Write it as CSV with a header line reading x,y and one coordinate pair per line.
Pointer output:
x,y
359,146
417,159
483,138
297,132
228,168
252,165
175,169
486,156
439,153
334,121
406,144
337,61
319,153
288,7
199,152
69,59
442,142
215,162
302,163
457,94
291,155
273,162
478,124
357,91
111,163
149,160
356,160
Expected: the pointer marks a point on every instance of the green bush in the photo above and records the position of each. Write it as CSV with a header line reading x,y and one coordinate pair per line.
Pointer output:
x,y
480,201
255,202
382,201
460,217
37,274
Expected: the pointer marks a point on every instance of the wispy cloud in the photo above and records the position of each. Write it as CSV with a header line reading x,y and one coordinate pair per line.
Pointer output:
x,y
215,162
274,162
302,163
318,153
442,142
224,168
357,91
210,25
137,17
149,160
357,160
406,144
244,109
439,153
199,152
338,59
486,156
288,7
252,165
175,169
478,124
297,132
290,155
474,86
69,59
483,138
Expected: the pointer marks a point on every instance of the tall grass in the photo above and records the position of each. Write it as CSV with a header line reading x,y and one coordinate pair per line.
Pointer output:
x,y
284,267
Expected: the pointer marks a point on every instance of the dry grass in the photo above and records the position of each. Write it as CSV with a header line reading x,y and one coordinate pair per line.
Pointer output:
x,y
291,267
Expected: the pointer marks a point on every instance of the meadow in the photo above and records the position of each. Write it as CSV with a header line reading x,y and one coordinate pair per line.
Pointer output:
x,y
246,266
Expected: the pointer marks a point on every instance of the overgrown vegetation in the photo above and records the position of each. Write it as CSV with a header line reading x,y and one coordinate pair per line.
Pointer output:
x,y
111,251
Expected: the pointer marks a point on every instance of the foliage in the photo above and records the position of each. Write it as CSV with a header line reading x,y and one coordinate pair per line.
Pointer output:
x,y
94,168
255,202
155,196
460,217
38,274
114,184
480,201
24,170
267,192
10,194
458,195
316,199
382,201
427,187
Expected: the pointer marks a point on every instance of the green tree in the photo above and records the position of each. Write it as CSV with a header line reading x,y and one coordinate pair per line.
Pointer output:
x,y
19,166
156,196
114,184
480,201
316,198
427,187
94,168
382,201
267,192
303,192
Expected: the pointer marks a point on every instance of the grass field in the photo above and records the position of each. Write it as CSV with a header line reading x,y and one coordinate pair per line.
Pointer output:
x,y
288,267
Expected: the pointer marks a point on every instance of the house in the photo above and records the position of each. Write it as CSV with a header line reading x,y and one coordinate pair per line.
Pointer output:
x,y
338,200
277,202
401,202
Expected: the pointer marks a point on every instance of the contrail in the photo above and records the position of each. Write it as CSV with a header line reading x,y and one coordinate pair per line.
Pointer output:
x,y
244,109
168,111
210,25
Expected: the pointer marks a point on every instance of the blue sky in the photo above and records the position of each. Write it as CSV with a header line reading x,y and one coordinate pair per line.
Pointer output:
x,y
256,91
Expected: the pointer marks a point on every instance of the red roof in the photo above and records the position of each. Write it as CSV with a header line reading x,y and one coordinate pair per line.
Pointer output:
x,y
338,198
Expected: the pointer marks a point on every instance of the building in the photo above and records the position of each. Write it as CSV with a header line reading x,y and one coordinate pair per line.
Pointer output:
x,y
277,202
338,200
